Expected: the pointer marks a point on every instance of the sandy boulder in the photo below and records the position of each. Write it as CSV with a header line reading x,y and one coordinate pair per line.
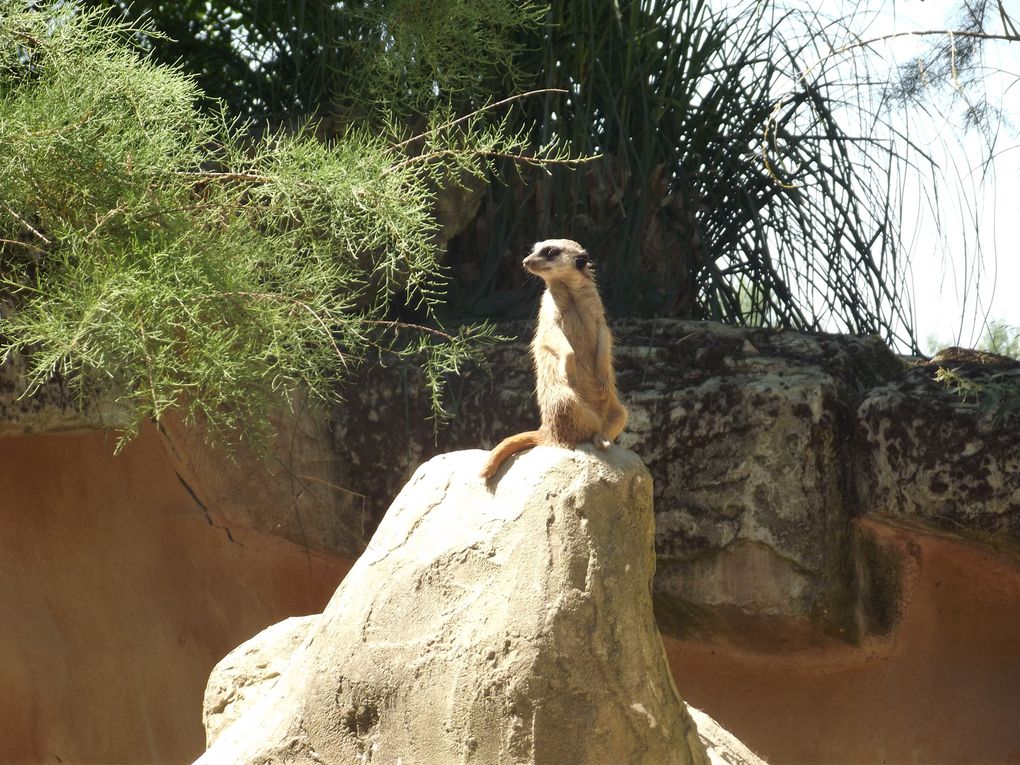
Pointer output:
x,y
244,675
508,624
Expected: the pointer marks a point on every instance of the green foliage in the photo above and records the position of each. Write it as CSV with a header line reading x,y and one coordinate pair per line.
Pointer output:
x,y
736,182
295,57
454,49
1002,339
996,395
152,246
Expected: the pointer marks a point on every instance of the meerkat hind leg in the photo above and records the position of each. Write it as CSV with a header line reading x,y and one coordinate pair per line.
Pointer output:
x,y
617,421
570,420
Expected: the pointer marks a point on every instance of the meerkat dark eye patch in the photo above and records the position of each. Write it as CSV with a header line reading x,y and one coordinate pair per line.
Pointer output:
x,y
550,252
581,261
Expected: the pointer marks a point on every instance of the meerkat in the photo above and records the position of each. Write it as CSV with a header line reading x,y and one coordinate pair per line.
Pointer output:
x,y
572,353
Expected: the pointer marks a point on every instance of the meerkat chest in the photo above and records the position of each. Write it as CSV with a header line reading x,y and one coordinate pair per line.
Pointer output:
x,y
567,337
582,334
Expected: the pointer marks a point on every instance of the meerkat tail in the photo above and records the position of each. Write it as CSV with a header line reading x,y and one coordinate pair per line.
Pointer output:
x,y
507,448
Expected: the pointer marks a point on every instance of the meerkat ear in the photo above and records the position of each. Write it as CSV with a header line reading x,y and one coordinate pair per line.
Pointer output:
x,y
581,261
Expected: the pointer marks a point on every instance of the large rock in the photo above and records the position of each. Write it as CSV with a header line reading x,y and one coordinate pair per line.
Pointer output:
x,y
240,679
926,454
510,624
747,434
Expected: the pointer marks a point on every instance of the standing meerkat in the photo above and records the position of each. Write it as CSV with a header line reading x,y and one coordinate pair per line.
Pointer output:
x,y
573,356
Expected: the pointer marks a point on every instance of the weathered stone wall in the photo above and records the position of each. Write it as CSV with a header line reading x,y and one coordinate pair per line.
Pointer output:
x,y
924,454
941,690
292,491
54,408
124,578
764,446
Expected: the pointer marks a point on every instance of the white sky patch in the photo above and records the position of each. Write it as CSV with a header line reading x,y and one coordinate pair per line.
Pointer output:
x,y
964,260
966,274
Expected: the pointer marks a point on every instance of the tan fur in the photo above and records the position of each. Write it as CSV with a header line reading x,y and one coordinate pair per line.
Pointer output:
x,y
573,357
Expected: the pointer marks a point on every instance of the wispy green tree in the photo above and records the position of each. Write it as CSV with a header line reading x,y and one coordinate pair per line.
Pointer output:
x,y
952,66
277,60
1002,339
152,246
735,174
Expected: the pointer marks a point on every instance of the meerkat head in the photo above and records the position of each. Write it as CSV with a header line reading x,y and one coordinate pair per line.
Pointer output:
x,y
559,259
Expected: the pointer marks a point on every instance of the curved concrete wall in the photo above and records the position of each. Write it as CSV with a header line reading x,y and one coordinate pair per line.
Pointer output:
x,y
118,598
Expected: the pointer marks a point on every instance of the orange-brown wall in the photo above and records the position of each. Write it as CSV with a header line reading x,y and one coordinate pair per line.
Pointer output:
x,y
118,598
943,690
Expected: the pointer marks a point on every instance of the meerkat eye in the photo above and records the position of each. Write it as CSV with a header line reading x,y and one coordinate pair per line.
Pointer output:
x,y
550,252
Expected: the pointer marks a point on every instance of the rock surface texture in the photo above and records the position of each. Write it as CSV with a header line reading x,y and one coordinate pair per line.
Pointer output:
x,y
484,624
293,492
924,454
747,434
54,408
120,593
764,446
246,673
833,527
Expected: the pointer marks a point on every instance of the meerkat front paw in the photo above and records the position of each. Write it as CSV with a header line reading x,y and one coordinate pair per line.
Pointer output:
x,y
601,442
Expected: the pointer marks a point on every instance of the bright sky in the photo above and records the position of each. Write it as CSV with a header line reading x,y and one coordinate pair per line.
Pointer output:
x,y
970,271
